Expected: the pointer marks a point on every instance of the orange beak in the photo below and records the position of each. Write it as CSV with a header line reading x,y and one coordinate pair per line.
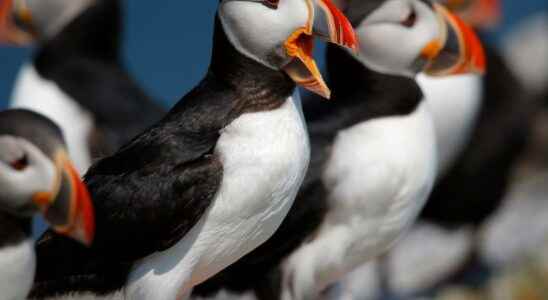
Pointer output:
x,y
70,211
457,51
9,32
325,21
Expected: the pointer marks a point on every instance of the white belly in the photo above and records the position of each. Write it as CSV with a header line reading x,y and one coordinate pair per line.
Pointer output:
x,y
17,265
379,176
45,97
265,156
455,103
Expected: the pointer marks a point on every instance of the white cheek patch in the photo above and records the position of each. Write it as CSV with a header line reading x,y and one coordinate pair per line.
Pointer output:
x,y
17,187
258,31
390,47
10,151
392,11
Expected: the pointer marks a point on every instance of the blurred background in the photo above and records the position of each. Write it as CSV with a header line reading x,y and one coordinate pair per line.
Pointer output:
x,y
167,48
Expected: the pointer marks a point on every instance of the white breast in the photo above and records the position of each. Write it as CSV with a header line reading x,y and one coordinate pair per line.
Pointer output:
x,y
265,156
379,176
455,103
40,95
17,265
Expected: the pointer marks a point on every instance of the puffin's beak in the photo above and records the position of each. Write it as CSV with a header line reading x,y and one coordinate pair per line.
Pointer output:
x,y
9,32
70,211
325,21
480,13
332,25
457,51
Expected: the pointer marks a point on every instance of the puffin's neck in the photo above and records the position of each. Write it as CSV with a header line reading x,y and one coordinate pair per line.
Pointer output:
x,y
350,79
359,94
13,230
95,35
255,84
234,84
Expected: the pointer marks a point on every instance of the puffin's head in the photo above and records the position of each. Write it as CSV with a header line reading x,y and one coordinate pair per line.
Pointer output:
x,y
404,37
478,13
280,33
23,21
36,175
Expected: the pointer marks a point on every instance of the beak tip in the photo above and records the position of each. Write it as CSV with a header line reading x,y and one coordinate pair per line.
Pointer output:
x,y
472,54
82,226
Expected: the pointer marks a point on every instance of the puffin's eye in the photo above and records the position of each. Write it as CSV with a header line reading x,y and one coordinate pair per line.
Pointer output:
x,y
20,164
271,3
410,20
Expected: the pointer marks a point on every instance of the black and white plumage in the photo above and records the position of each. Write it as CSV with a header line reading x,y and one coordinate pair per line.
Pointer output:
x,y
482,126
207,184
17,258
372,166
486,119
308,223
473,186
76,77
35,176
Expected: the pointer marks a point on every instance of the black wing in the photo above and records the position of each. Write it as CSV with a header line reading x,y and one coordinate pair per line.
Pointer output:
x,y
120,108
147,197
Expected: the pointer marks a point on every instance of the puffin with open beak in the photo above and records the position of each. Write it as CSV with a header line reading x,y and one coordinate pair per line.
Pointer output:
x,y
373,151
213,179
36,175
76,76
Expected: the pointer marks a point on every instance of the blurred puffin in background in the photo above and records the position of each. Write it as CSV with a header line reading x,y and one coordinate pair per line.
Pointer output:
x,y
76,77
36,175
373,157
214,178
483,138
482,123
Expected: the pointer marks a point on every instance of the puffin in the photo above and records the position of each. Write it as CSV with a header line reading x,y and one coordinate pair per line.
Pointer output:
x,y
482,124
36,176
373,158
76,76
215,177
483,139
456,113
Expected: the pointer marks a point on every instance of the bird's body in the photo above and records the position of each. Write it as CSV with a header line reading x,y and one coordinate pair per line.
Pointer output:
x,y
455,103
361,191
378,175
242,215
373,155
17,258
474,184
219,173
482,135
